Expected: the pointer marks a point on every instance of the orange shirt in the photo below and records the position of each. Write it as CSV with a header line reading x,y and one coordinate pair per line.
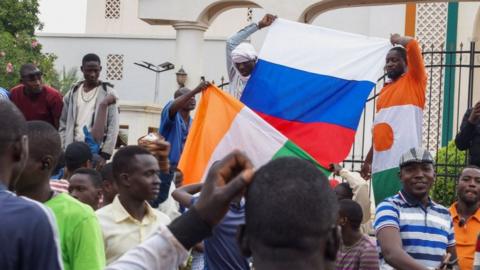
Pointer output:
x,y
466,237
410,88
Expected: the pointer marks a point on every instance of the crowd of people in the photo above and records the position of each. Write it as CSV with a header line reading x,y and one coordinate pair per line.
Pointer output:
x,y
69,200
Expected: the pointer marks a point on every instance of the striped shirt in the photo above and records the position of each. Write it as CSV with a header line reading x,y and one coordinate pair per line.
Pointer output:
x,y
60,185
361,256
4,94
426,232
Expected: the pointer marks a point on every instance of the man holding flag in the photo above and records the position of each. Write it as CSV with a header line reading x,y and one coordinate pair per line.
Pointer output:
x,y
292,105
242,57
398,122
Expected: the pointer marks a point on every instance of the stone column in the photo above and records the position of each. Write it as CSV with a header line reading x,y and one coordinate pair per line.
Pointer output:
x,y
189,49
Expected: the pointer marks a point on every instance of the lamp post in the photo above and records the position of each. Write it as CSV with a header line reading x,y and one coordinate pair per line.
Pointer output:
x,y
181,77
157,69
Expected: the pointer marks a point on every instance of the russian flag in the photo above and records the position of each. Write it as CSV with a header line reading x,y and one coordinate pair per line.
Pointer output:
x,y
311,84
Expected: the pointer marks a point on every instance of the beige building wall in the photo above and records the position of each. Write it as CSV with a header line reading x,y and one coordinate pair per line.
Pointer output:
x,y
120,17
100,20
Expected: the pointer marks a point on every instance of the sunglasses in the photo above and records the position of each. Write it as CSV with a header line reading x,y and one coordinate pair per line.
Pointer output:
x,y
33,76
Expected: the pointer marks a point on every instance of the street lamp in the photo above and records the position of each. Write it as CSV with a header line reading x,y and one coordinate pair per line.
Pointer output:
x,y
157,69
181,77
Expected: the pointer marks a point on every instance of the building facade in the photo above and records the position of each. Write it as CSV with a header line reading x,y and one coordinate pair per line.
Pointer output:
x,y
192,33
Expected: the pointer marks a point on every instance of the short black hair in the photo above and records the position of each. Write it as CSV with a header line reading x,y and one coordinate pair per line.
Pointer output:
x,y
122,160
107,172
43,139
402,51
95,177
77,154
289,203
470,166
347,189
91,57
27,69
352,211
180,92
12,123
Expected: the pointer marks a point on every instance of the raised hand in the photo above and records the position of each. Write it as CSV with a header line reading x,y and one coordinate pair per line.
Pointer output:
x,y
226,180
267,20
475,114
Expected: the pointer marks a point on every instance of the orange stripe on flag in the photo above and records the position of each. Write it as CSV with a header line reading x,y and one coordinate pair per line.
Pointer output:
x,y
213,119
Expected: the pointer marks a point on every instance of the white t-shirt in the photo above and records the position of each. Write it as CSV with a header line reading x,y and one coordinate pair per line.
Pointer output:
x,y
85,109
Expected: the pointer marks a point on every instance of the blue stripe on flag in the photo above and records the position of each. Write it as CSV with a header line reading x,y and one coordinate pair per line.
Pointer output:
x,y
297,95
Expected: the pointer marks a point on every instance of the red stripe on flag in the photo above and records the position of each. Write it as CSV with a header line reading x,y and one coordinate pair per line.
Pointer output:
x,y
327,143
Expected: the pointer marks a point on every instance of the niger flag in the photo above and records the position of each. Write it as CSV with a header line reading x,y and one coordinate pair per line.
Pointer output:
x,y
398,123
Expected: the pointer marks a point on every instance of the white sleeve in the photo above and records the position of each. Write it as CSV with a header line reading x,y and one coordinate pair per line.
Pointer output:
x,y
360,192
161,251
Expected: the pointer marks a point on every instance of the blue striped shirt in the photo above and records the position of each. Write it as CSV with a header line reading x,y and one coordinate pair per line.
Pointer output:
x,y
426,232
4,94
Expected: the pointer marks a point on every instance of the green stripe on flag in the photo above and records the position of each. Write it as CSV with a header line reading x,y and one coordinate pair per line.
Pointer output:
x,y
289,149
385,184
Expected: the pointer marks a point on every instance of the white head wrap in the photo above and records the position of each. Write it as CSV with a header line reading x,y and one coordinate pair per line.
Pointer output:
x,y
243,53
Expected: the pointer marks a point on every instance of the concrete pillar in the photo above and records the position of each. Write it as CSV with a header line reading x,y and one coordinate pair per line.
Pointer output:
x,y
189,50
476,38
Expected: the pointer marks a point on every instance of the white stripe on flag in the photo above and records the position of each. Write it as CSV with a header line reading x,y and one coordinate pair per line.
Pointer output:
x,y
251,134
402,119
338,54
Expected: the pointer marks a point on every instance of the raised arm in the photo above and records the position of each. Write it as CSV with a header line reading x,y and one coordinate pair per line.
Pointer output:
x,y
241,36
167,248
366,170
360,191
184,195
464,138
415,64
182,100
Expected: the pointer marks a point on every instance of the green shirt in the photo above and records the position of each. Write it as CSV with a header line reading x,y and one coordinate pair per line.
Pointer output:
x,y
80,235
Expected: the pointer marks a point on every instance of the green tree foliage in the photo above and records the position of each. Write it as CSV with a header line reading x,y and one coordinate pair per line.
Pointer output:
x,y
18,46
67,80
19,16
450,162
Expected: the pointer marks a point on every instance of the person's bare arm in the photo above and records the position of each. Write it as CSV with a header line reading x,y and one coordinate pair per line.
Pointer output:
x,y
98,128
167,248
184,195
400,40
181,101
474,116
366,170
415,63
393,253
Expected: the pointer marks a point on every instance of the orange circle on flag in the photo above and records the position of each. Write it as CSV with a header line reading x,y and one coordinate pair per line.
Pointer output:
x,y
382,137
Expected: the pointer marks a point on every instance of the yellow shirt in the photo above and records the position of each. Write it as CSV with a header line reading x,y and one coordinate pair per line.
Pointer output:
x,y
122,232
466,237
